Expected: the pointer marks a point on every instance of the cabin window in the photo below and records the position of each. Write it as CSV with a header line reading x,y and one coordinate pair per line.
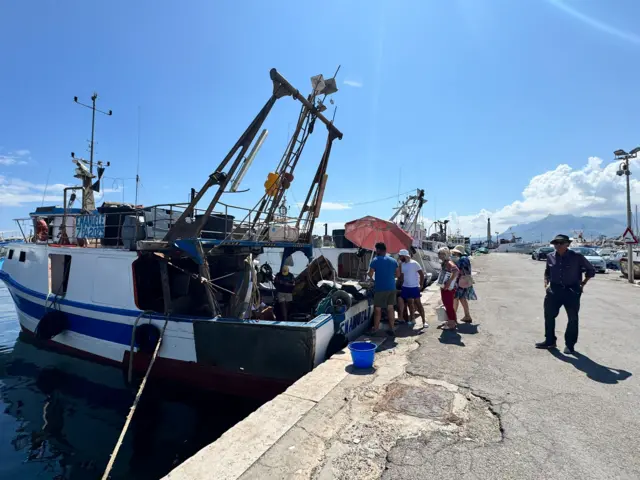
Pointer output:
x,y
350,265
10,256
23,256
188,296
59,268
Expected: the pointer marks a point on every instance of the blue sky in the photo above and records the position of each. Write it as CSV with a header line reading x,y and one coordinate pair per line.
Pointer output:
x,y
494,107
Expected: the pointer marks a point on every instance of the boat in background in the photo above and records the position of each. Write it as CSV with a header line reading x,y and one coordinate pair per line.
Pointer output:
x,y
424,249
351,262
515,245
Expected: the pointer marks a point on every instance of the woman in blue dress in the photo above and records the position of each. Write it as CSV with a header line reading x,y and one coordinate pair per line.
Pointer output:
x,y
465,292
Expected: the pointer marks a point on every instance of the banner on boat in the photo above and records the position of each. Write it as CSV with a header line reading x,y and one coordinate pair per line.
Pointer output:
x,y
90,226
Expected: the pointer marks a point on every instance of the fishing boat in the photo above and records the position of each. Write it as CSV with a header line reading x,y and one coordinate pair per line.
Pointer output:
x,y
7,238
351,262
425,249
126,284
514,245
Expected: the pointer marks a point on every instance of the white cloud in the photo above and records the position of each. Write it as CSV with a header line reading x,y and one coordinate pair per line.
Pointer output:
x,y
5,160
15,192
19,157
8,161
332,206
593,190
353,83
335,206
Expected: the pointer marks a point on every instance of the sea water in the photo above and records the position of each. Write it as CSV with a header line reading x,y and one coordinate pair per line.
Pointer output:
x,y
60,416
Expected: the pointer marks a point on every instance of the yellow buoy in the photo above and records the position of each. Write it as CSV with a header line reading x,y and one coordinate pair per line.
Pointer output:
x,y
271,185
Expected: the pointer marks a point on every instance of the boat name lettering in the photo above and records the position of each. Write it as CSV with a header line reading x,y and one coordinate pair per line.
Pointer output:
x,y
355,321
90,226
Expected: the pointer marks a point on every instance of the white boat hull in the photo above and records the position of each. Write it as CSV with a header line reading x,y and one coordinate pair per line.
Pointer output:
x,y
101,311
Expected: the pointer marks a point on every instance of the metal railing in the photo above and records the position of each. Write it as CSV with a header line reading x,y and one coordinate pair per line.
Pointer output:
x,y
125,226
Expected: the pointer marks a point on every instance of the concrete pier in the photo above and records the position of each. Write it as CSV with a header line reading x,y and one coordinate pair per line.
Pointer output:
x,y
478,403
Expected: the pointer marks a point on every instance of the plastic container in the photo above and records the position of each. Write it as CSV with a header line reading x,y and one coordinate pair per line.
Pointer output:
x,y
362,354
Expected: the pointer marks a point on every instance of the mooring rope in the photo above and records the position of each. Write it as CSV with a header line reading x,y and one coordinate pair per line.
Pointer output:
x,y
114,454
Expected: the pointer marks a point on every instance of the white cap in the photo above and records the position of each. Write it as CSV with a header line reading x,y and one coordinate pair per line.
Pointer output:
x,y
404,253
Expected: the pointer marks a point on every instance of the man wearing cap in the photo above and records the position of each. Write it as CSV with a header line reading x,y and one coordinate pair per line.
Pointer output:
x,y
385,270
563,282
412,280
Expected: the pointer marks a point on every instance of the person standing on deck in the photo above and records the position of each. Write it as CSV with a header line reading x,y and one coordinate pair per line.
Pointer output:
x,y
563,283
284,282
412,281
385,270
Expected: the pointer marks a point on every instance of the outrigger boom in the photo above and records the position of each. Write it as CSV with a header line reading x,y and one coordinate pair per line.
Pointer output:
x,y
186,228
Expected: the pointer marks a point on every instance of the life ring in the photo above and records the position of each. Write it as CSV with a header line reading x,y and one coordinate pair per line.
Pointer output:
x,y
42,230
147,337
51,324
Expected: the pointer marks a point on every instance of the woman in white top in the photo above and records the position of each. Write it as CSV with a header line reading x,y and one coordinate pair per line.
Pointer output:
x,y
412,281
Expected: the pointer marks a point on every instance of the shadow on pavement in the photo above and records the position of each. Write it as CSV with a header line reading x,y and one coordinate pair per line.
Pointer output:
x,y
388,344
468,328
404,331
451,337
350,369
594,371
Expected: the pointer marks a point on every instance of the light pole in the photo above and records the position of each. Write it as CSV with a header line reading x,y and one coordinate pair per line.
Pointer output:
x,y
624,158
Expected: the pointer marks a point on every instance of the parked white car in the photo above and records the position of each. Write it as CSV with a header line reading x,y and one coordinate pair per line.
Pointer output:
x,y
596,260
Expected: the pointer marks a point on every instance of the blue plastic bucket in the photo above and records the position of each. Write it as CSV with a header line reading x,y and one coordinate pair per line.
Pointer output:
x,y
362,354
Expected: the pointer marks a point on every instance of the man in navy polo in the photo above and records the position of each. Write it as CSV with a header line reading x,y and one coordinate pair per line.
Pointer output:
x,y
564,283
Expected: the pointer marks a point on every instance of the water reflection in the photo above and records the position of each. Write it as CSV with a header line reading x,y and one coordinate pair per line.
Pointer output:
x,y
61,416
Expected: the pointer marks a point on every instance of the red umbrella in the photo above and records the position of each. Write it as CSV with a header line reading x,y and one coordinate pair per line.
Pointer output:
x,y
366,232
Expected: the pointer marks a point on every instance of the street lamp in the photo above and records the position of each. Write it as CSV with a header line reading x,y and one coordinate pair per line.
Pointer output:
x,y
624,158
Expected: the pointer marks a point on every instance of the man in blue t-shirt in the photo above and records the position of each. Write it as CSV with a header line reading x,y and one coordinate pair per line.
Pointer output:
x,y
385,269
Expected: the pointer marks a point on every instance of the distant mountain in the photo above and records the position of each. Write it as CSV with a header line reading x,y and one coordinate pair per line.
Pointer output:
x,y
552,225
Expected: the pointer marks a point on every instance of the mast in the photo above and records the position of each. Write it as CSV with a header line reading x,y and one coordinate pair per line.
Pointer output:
x,y
226,170
410,210
82,173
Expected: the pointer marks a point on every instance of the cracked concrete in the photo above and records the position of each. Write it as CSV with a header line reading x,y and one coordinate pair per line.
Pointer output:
x,y
479,403
357,427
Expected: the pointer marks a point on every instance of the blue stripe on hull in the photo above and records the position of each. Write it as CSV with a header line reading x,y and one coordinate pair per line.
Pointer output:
x,y
92,327
112,331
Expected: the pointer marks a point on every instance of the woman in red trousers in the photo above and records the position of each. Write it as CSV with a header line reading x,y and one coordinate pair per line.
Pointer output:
x,y
448,280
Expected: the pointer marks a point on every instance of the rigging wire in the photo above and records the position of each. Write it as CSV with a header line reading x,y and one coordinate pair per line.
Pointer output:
x,y
379,199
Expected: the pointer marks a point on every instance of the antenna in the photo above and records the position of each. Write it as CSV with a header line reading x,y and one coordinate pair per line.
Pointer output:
x,y
138,165
46,186
93,108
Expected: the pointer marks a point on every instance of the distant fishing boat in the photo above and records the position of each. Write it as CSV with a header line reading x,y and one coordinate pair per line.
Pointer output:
x,y
117,282
514,245
352,262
